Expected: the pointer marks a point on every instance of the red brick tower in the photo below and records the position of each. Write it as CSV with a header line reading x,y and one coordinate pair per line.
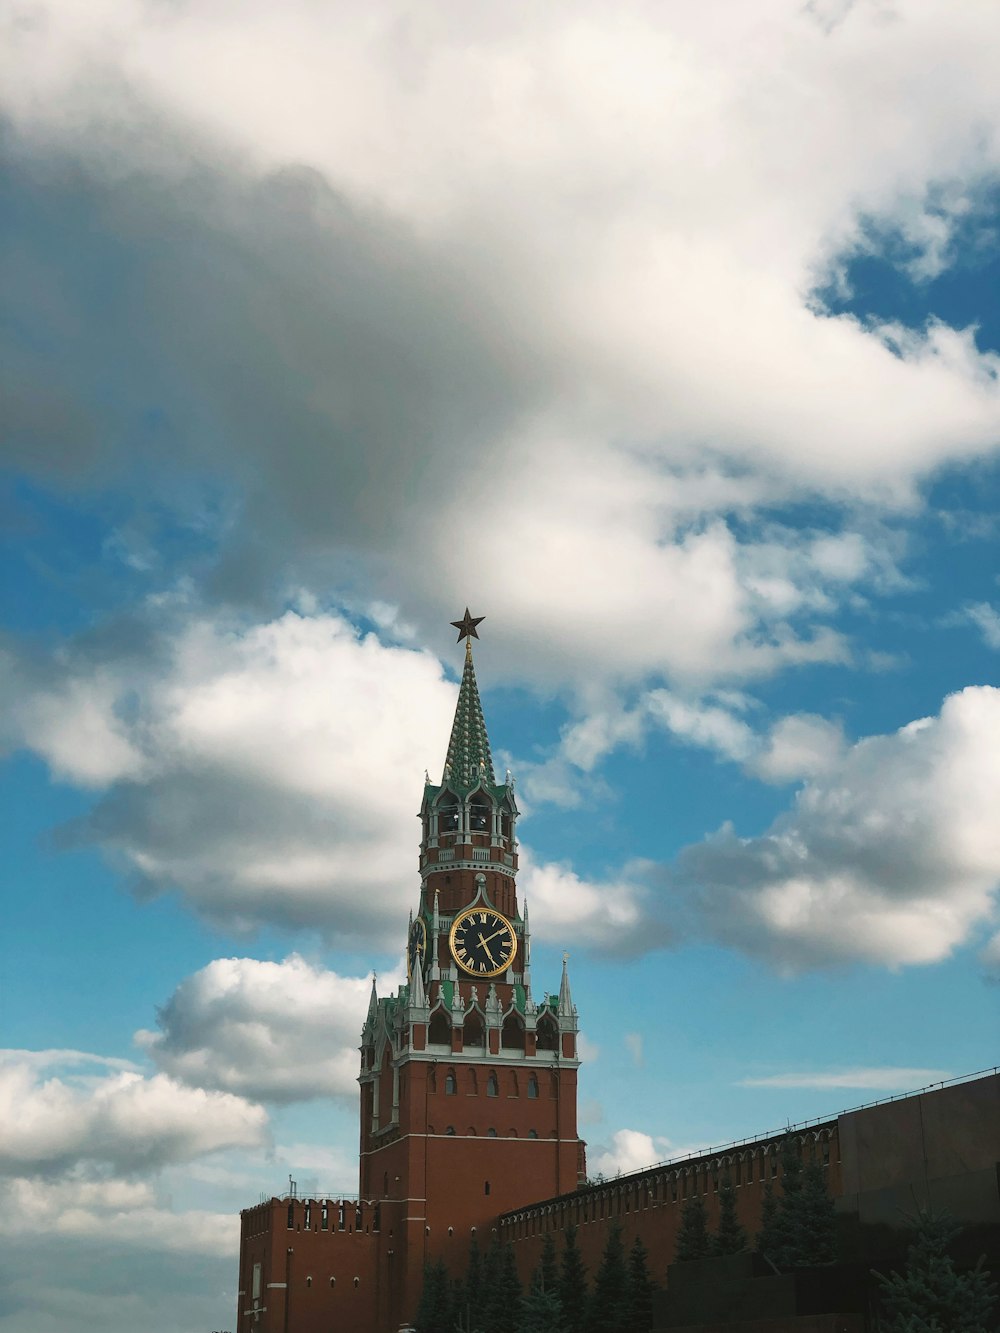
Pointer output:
x,y
468,1082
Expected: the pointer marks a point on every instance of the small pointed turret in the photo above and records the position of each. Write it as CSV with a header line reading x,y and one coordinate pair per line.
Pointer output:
x,y
418,995
526,955
469,760
435,974
372,1008
566,1007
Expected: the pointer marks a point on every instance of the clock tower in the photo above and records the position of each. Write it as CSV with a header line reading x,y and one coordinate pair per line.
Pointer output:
x,y
468,1079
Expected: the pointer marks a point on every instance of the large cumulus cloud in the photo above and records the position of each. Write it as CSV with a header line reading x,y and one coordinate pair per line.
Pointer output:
x,y
890,855
271,1031
402,287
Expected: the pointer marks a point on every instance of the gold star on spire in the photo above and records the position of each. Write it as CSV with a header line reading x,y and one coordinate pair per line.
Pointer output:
x,y
467,626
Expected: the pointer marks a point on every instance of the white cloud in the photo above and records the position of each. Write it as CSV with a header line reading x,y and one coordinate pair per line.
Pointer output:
x,y
278,1032
890,855
587,1050
614,916
798,746
987,620
634,1046
703,724
121,1121
888,1079
419,313
269,771
990,957
628,1150
124,1212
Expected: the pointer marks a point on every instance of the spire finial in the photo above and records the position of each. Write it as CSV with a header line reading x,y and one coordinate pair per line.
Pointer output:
x,y
468,762
467,629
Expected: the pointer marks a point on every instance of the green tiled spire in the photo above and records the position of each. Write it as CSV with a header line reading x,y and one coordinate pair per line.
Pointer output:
x,y
469,760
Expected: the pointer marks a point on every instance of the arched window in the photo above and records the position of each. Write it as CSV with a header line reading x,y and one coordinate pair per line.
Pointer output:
x,y
480,811
512,1034
548,1033
532,1086
450,1083
491,1132
474,1032
492,1087
486,1187
450,1131
439,1029
448,815
532,1133
357,1282
333,1282
309,1281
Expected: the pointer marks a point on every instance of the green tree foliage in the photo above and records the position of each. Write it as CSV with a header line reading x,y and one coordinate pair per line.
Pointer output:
x,y
541,1309
500,1309
816,1218
731,1237
573,1295
798,1227
692,1237
434,1313
467,1298
930,1296
549,1268
608,1307
639,1304
767,1237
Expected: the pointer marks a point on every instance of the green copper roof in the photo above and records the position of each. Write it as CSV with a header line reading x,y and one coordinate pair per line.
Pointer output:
x,y
469,761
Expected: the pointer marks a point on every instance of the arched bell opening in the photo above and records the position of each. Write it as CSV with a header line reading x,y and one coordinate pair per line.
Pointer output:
x,y
512,1033
547,1038
473,1030
480,813
448,813
439,1029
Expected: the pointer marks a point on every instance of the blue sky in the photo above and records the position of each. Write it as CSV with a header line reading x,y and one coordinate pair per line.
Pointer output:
x,y
668,342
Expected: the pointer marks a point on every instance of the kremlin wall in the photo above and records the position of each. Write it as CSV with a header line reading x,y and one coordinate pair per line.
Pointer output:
x,y
468,1112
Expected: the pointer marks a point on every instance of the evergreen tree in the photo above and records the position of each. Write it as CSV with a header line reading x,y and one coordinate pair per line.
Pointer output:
x,y
541,1309
767,1237
731,1237
467,1294
549,1268
608,1312
434,1311
490,1309
798,1227
692,1237
510,1287
573,1295
639,1309
930,1296
816,1219
785,1246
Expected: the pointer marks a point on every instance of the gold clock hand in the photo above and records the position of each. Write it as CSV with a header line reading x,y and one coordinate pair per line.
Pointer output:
x,y
486,947
501,931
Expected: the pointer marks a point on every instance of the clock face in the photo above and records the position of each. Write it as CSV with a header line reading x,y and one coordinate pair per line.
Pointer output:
x,y
483,942
416,946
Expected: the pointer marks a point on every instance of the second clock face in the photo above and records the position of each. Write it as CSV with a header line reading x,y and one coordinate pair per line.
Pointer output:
x,y
483,942
416,946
